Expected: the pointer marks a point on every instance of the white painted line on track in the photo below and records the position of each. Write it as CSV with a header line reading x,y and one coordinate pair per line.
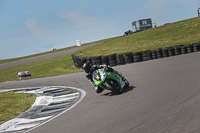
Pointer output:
x,y
46,107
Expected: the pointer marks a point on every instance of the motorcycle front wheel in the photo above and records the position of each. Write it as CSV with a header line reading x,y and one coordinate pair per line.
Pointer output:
x,y
113,88
98,89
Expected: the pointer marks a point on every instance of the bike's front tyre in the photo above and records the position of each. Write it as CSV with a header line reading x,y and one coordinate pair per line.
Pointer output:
x,y
98,89
114,89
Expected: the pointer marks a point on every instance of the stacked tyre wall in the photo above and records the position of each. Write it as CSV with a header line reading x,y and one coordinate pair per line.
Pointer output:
x,y
126,58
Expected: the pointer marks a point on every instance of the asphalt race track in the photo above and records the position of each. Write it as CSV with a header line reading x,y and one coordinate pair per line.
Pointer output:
x,y
164,97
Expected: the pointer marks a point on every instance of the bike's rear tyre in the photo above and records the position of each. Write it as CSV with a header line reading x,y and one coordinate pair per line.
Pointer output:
x,y
126,82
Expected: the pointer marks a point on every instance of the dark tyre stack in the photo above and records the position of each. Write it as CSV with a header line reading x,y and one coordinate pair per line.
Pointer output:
x,y
112,60
190,48
93,60
146,55
137,57
196,47
77,61
171,51
120,59
83,60
105,60
177,50
165,52
128,58
159,53
74,59
184,49
154,55
98,60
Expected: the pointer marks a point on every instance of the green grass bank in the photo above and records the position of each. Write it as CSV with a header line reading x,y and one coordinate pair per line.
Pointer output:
x,y
14,104
44,68
182,32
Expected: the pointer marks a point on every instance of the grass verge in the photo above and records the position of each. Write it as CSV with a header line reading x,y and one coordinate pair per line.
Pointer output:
x,y
10,108
183,32
44,68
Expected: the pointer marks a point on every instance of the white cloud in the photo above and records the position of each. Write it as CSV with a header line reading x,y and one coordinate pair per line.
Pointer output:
x,y
155,7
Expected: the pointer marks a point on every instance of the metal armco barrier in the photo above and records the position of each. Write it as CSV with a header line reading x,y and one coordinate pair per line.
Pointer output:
x,y
126,58
23,75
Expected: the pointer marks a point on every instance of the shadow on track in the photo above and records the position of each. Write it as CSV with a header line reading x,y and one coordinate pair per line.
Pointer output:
x,y
130,88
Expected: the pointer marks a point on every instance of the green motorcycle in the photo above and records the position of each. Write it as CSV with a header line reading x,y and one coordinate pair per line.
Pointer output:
x,y
109,81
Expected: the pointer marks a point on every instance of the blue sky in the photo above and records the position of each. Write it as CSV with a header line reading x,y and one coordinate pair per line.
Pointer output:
x,y
33,26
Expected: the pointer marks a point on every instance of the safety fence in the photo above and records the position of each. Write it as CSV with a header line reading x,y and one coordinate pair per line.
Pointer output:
x,y
130,57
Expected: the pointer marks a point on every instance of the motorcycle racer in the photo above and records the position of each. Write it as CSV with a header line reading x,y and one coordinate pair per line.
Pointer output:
x,y
89,69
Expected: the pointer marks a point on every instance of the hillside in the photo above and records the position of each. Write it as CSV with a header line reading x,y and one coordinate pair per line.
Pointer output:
x,y
182,32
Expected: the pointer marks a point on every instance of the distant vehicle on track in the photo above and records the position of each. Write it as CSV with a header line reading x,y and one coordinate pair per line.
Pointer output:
x,y
142,24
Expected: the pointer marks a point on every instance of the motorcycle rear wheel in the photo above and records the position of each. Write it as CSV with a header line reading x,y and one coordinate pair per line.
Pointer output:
x,y
126,82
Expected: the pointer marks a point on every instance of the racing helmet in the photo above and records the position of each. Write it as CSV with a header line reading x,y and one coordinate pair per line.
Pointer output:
x,y
87,67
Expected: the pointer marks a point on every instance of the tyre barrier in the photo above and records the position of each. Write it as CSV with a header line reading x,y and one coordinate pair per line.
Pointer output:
x,y
154,55
137,57
177,50
196,47
165,52
78,62
120,59
93,61
159,53
130,57
105,60
96,60
184,50
149,53
146,55
171,51
112,60
189,48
